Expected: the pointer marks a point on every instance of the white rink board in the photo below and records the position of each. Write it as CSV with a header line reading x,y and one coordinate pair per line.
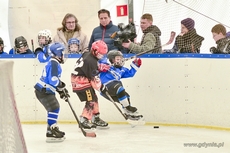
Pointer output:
x,y
165,90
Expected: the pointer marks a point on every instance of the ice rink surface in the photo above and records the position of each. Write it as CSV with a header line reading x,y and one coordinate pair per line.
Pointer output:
x,y
124,139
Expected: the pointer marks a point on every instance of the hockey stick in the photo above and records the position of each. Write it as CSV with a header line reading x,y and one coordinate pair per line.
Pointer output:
x,y
86,134
172,36
111,99
32,43
132,122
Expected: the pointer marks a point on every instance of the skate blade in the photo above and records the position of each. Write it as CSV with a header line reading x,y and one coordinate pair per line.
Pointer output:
x,y
54,140
134,123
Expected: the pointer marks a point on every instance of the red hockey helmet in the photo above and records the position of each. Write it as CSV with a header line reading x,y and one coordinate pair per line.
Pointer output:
x,y
99,47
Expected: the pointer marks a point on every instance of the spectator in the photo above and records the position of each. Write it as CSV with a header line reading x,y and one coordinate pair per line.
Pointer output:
x,y
219,35
20,46
188,41
73,46
150,39
104,30
2,47
71,29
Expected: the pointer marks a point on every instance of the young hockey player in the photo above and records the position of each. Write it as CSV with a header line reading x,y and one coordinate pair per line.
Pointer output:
x,y
45,90
2,47
20,46
44,39
73,46
111,78
84,81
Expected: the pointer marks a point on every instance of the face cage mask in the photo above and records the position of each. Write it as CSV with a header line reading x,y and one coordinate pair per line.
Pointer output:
x,y
120,63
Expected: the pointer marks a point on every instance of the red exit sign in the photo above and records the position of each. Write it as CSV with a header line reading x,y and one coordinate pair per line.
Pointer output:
x,y
122,10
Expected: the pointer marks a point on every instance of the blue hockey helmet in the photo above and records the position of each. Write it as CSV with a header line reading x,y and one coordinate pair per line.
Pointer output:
x,y
57,50
73,48
73,41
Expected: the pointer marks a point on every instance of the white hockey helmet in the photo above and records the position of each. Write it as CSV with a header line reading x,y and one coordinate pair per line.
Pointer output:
x,y
47,34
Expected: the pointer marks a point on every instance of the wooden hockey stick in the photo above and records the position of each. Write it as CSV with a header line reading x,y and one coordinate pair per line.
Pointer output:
x,y
86,134
32,43
172,36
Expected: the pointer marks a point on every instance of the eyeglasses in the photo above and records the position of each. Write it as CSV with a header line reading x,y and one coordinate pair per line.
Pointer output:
x,y
73,22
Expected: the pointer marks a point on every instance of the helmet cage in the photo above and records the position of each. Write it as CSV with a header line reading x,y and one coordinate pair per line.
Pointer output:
x,y
73,41
47,34
112,55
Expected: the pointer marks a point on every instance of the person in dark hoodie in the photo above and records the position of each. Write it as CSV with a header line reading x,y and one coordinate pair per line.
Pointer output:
x,y
151,37
104,30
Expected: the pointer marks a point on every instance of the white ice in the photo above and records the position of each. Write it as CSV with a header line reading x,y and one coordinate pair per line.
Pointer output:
x,y
124,139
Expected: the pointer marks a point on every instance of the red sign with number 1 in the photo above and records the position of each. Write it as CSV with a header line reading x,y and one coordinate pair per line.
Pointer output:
x,y
122,10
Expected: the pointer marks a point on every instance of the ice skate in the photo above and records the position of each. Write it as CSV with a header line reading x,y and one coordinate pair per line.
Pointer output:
x,y
86,124
99,122
54,134
131,113
49,130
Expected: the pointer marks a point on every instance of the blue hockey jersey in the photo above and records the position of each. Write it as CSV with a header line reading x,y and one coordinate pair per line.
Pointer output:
x,y
116,74
50,78
44,55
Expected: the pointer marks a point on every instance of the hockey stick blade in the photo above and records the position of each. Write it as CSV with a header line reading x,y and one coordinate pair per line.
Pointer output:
x,y
86,134
172,36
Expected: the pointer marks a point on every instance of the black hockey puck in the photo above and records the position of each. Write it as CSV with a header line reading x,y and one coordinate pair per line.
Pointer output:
x,y
155,127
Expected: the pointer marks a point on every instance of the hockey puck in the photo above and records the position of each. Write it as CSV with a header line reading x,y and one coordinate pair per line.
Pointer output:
x,y
155,127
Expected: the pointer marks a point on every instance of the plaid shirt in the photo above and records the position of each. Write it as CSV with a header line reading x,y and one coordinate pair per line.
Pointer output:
x,y
189,42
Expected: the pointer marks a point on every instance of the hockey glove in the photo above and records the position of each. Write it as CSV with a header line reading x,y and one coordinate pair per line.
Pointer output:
x,y
103,67
64,94
103,89
38,50
137,62
213,50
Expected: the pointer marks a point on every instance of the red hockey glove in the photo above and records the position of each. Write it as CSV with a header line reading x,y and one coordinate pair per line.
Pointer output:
x,y
103,67
137,62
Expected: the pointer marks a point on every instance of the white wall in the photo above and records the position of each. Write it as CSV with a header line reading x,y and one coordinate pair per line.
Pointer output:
x,y
165,90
